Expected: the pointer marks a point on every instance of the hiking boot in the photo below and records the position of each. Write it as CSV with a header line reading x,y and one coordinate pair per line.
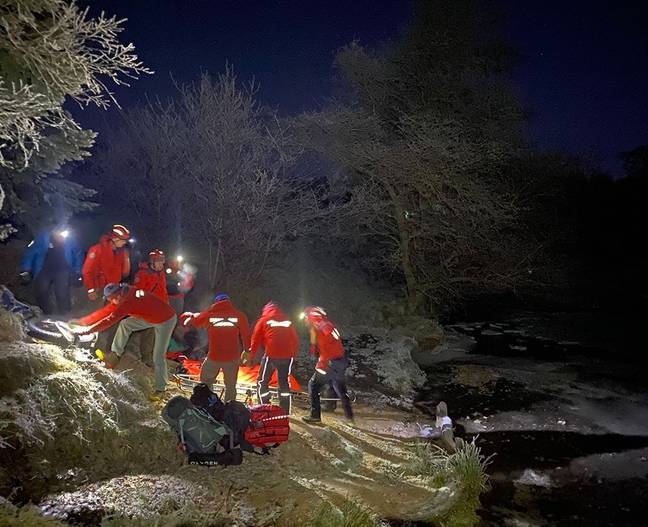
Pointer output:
x,y
111,360
311,420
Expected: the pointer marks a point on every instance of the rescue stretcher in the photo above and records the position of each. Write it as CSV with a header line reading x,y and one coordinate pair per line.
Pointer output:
x,y
246,382
59,332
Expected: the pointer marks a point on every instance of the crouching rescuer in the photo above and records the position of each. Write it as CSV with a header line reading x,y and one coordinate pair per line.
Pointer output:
x,y
134,309
274,333
331,365
229,335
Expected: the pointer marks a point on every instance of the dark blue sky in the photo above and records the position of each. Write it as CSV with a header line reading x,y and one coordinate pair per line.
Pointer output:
x,y
583,70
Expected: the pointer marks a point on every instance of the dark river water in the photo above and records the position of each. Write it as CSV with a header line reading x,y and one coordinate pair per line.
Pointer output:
x,y
559,402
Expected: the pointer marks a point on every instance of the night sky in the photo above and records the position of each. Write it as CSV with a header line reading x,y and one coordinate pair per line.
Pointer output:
x,y
582,74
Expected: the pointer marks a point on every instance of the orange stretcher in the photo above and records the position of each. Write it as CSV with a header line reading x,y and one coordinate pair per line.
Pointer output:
x,y
246,381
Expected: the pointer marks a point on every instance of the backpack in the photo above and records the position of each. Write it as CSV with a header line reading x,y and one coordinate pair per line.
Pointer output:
x,y
205,440
204,398
237,417
269,426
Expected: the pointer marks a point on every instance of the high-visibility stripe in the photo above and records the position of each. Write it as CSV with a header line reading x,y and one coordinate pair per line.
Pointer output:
x,y
278,323
139,293
233,320
261,396
223,324
320,370
336,334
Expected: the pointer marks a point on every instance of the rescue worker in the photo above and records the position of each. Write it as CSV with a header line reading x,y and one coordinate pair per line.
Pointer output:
x,y
134,310
277,336
52,259
107,262
151,276
331,366
229,335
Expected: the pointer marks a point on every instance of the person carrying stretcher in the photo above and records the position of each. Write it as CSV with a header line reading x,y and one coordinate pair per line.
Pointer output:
x,y
331,366
275,333
229,335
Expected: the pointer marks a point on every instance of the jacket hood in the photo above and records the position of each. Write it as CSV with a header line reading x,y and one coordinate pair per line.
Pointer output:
x,y
223,306
273,311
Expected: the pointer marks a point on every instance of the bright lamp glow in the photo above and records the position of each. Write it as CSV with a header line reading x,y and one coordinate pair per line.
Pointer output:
x,y
132,240
180,258
64,234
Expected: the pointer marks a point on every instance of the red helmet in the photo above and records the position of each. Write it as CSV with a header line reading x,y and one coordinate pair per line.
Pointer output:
x,y
156,256
120,232
314,314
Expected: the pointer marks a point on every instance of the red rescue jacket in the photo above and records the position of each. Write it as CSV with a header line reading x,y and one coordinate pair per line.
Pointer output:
x,y
133,303
152,281
276,334
227,328
329,343
104,265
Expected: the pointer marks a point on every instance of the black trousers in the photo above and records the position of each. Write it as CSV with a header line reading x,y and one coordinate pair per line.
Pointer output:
x,y
283,367
334,375
60,281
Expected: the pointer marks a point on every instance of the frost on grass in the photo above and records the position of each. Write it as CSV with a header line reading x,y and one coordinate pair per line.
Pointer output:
x,y
349,514
63,418
461,475
11,328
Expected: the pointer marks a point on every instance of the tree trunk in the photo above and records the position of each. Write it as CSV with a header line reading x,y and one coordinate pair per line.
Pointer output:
x,y
415,298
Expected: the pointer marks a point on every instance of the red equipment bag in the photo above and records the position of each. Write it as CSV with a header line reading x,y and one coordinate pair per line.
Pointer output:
x,y
268,426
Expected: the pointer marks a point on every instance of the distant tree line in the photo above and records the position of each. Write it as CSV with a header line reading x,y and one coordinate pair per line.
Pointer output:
x,y
418,172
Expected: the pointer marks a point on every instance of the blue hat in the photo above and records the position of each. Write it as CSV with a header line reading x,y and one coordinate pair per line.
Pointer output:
x,y
112,289
221,296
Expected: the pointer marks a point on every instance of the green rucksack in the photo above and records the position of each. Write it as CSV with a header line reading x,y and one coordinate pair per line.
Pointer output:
x,y
199,432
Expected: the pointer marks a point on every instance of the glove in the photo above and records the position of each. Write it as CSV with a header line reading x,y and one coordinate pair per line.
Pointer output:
x,y
244,357
25,277
186,318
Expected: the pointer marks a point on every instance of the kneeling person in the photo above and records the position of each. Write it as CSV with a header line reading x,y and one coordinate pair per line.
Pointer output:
x,y
331,365
229,335
144,310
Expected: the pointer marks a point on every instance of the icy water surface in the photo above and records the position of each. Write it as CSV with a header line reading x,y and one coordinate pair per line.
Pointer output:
x,y
565,418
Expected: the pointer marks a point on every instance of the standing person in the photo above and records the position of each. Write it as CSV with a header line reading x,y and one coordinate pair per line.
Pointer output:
x,y
151,276
331,366
277,336
52,259
134,310
107,262
229,335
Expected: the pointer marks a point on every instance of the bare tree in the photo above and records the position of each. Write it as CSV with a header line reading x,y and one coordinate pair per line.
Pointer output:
x,y
424,134
211,170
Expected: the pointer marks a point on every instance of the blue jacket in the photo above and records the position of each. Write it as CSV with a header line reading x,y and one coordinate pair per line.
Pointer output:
x,y
34,255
